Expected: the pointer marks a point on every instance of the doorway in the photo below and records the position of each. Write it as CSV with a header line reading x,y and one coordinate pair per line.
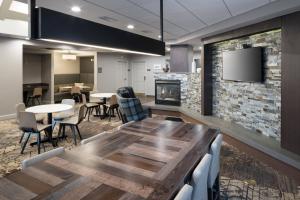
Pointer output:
x,y
138,77
122,74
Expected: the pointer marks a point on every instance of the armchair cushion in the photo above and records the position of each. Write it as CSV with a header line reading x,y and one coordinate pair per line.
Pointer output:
x,y
132,109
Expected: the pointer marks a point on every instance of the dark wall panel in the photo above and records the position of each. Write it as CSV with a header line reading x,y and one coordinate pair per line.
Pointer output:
x,y
59,26
290,137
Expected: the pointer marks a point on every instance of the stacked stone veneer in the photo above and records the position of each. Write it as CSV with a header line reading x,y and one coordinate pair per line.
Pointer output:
x,y
190,88
256,106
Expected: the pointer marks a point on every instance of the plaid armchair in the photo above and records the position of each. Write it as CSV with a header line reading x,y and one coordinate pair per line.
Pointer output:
x,y
130,107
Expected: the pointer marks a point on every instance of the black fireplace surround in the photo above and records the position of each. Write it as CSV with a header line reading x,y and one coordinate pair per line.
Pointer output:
x,y
167,92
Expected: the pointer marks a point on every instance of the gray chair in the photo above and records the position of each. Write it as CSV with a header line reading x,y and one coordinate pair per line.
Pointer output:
x,y
214,172
41,157
29,126
20,107
73,123
95,137
57,117
89,107
200,177
185,193
37,94
112,106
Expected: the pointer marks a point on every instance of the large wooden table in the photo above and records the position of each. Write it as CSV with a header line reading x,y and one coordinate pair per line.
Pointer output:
x,y
151,159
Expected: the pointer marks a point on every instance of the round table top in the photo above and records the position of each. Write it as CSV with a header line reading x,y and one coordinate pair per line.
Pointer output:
x,y
48,108
81,87
102,95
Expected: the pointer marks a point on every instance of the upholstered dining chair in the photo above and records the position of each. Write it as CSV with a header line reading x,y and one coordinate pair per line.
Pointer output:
x,y
89,107
75,92
57,117
73,123
185,193
95,137
214,172
200,177
37,94
29,126
112,106
41,157
20,107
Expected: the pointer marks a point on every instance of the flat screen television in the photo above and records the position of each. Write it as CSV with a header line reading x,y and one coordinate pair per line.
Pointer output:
x,y
243,65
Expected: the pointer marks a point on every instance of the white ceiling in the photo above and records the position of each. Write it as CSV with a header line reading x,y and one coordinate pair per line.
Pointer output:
x,y
183,19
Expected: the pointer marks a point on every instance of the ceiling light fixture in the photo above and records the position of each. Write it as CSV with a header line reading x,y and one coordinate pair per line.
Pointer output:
x,y
130,26
159,36
69,56
168,49
76,9
100,47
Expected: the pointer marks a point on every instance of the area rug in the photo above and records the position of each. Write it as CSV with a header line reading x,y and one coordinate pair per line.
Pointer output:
x,y
242,176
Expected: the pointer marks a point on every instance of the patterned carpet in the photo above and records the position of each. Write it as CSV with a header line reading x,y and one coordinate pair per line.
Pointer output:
x,y
242,176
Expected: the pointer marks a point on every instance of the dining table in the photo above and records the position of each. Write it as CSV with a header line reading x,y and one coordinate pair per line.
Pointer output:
x,y
103,96
49,109
150,159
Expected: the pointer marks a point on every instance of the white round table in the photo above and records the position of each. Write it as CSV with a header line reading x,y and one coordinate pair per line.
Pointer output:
x,y
49,109
102,95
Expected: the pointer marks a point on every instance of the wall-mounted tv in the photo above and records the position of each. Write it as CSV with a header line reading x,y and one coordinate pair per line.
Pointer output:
x,y
243,65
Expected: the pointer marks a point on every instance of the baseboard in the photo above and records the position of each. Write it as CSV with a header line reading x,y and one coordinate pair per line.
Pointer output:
x,y
6,117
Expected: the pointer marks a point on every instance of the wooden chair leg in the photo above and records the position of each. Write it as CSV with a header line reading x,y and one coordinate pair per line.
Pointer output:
x,y
25,143
74,135
78,132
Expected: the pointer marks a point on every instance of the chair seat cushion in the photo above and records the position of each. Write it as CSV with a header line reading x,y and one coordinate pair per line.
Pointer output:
x,y
62,115
42,127
71,121
91,105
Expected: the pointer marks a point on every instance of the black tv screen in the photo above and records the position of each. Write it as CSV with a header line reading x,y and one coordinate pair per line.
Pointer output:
x,y
243,65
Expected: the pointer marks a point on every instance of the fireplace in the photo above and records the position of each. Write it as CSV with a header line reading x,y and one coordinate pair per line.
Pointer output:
x,y
167,92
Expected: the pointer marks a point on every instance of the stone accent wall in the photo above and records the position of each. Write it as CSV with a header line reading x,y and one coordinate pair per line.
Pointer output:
x,y
255,106
190,88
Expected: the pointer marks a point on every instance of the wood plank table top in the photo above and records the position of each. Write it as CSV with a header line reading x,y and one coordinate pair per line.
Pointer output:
x,y
151,159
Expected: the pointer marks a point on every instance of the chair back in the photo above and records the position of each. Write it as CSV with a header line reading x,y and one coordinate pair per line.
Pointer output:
x,y
83,97
37,92
27,121
70,102
126,92
199,179
215,150
40,157
81,114
113,100
75,90
185,193
20,107
131,108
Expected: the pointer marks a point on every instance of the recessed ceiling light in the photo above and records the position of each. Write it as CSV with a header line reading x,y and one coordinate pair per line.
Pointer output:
x,y
168,48
159,36
130,26
76,9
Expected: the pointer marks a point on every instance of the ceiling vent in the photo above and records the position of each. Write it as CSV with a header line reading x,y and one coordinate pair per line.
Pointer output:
x,y
108,19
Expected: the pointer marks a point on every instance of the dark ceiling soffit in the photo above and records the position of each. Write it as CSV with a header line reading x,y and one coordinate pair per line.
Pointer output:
x,y
260,27
54,25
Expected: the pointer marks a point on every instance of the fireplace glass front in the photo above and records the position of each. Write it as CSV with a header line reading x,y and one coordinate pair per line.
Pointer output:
x,y
167,92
